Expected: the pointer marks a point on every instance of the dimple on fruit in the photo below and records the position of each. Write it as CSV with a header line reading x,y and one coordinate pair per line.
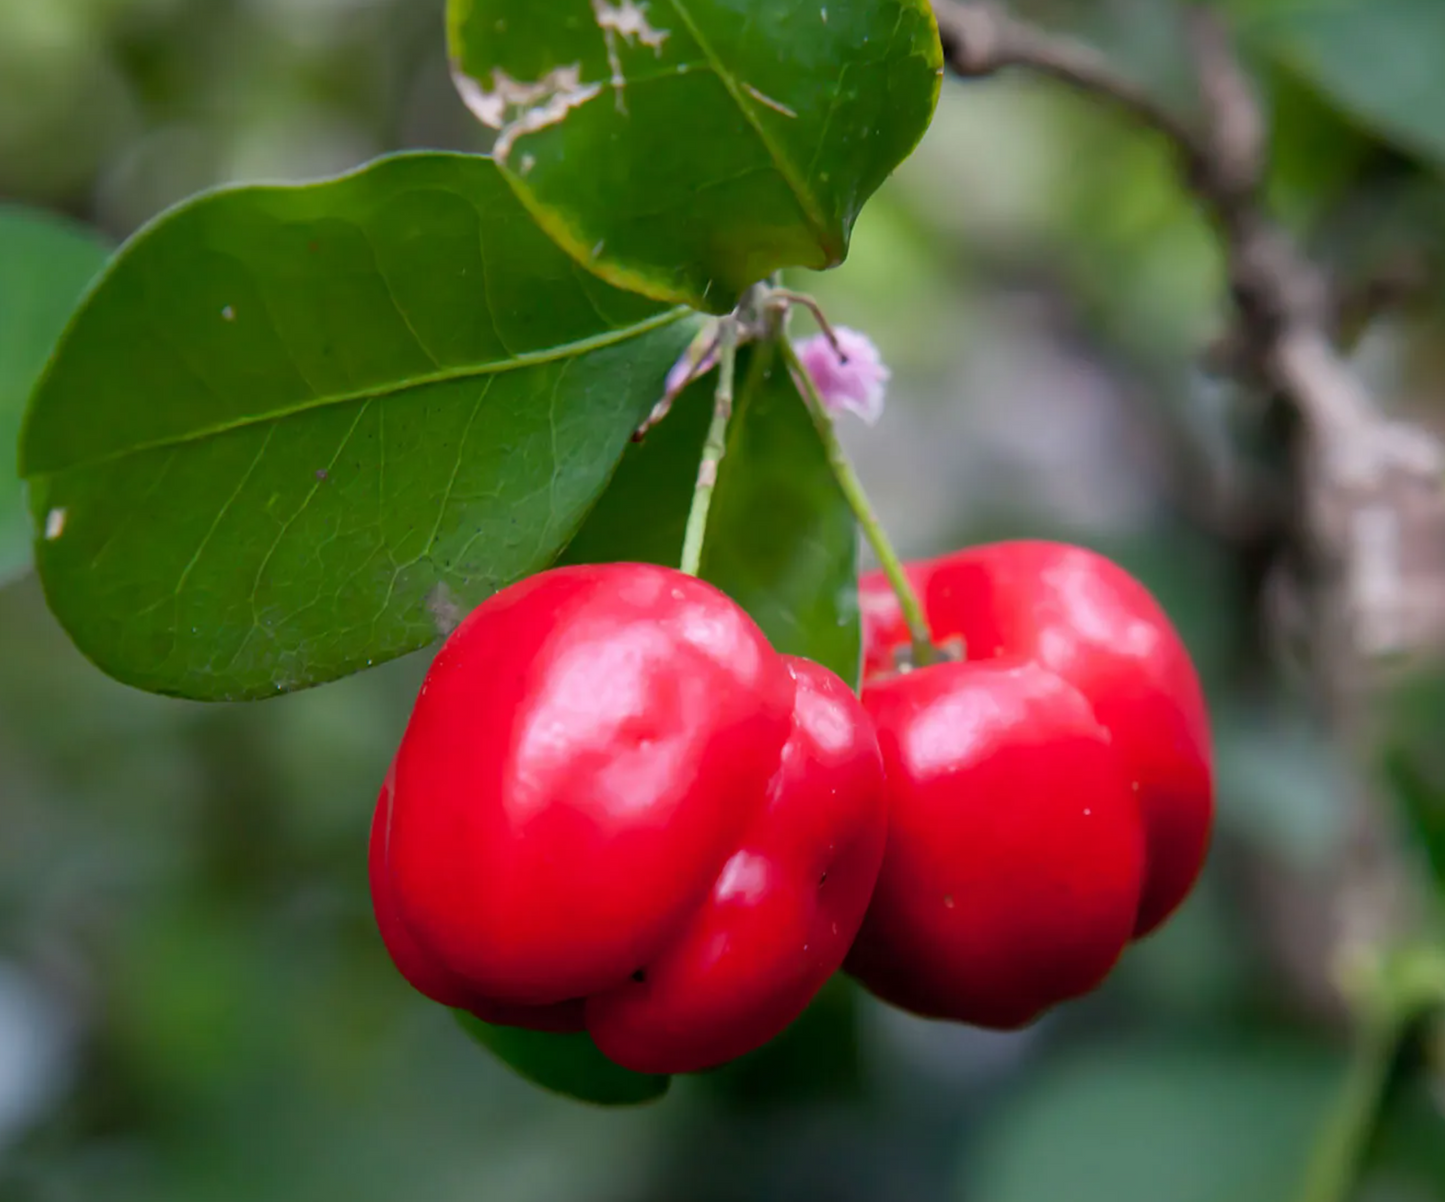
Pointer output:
x,y
617,808
1050,796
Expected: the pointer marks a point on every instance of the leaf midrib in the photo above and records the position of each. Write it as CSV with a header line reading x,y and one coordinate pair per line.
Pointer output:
x,y
569,350
807,203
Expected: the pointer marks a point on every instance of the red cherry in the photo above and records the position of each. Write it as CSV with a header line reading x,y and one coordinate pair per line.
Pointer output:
x,y
782,912
1086,619
590,751
585,753
415,964
1015,853
424,973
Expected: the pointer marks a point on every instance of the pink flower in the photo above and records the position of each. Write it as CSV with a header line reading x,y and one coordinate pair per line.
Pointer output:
x,y
856,382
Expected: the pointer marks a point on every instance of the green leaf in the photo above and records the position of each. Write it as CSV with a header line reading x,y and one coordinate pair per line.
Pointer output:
x,y
642,515
45,264
1140,1123
566,1064
818,1060
685,149
1380,60
781,540
295,431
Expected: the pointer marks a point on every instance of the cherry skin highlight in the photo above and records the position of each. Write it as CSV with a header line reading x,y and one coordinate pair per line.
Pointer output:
x,y
615,805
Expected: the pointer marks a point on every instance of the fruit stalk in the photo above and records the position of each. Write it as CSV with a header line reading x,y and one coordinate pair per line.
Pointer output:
x,y
713,450
862,507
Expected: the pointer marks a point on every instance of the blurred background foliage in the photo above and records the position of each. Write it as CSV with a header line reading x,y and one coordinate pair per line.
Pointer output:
x,y
194,1005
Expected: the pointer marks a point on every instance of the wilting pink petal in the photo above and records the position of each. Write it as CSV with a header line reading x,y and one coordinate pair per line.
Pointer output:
x,y
856,382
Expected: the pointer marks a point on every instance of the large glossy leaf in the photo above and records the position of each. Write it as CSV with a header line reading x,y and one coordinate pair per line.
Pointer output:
x,y
688,148
45,264
781,540
566,1064
294,431
1381,60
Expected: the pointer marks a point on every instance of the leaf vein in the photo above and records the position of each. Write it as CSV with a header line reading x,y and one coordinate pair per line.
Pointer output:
x,y
215,525
807,203
518,362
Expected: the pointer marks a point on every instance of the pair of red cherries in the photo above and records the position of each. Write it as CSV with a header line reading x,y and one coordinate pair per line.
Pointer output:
x,y
617,809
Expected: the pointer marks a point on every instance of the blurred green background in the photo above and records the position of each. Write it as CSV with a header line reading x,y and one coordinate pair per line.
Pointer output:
x,y
194,1004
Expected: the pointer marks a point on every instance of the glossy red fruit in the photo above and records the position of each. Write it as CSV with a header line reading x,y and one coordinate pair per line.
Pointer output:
x,y
1015,854
1084,618
783,911
426,974
611,799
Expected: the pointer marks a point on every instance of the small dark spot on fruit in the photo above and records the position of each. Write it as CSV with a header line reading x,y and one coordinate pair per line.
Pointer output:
x,y
640,976
823,880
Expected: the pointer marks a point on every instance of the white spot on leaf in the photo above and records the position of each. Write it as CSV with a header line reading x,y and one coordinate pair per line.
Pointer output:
x,y
629,21
228,314
516,108
445,610
54,524
626,20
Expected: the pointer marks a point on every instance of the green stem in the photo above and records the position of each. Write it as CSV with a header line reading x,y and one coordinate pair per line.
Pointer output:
x,y
1334,1167
852,488
713,449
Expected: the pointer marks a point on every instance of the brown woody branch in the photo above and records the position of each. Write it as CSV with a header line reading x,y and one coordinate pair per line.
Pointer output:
x,y
1349,453
1362,536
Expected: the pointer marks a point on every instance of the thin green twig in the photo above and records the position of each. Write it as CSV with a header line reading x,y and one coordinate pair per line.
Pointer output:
x,y
1389,993
852,488
713,449
1333,1170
